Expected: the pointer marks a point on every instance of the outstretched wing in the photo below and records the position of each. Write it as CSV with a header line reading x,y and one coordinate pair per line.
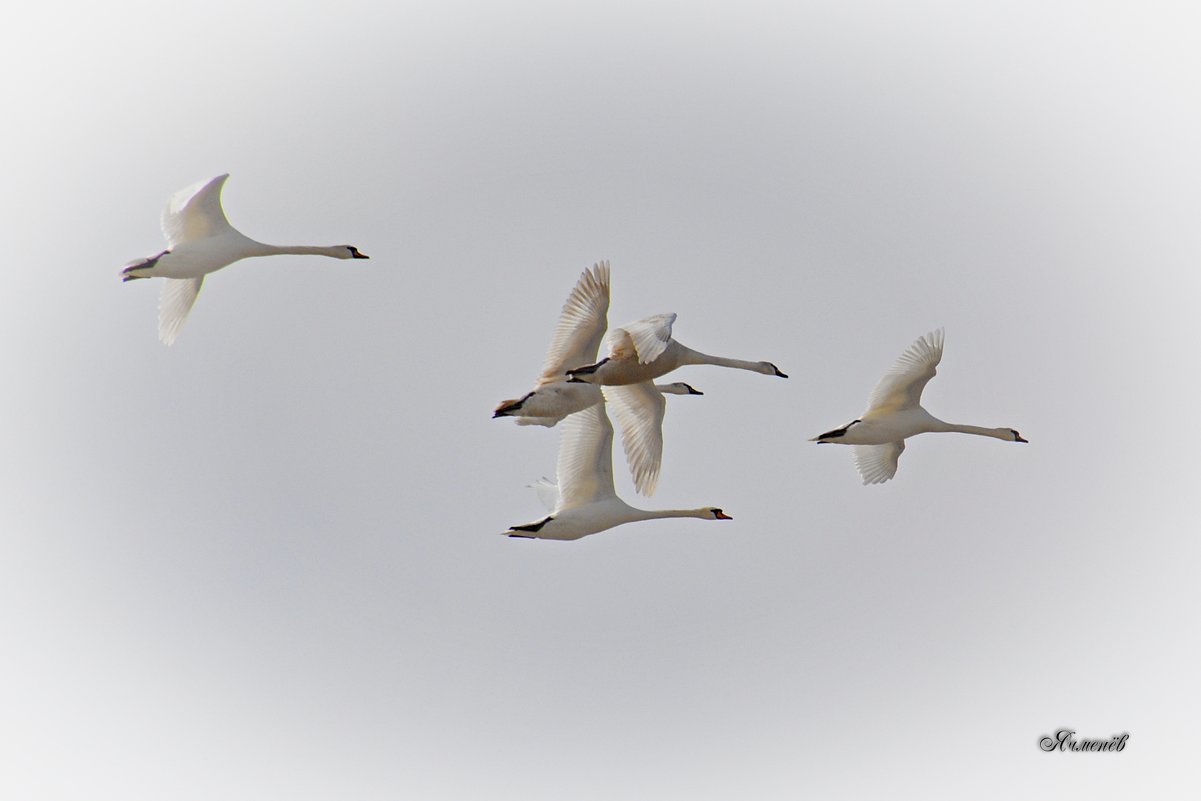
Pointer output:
x,y
901,387
877,463
174,303
645,339
639,409
585,464
195,212
581,324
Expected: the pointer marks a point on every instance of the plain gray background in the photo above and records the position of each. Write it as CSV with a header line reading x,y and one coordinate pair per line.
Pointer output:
x,y
264,564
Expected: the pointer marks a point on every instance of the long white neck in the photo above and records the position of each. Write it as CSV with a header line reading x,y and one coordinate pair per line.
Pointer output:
x,y
333,251
659,514
998,433
690,356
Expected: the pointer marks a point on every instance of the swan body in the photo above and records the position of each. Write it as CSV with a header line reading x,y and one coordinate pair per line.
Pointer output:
x,y
894,413
644,350
639,407
577,337
586,502
200,241
549,404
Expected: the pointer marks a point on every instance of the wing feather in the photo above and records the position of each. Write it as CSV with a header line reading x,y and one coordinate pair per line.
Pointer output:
x,y
877,463
646,338
639,409
901,387
581,324
585,464
174,303
195,212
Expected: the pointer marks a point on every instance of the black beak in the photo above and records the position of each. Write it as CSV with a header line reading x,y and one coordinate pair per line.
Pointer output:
x,y
692,390
1018,438
354,253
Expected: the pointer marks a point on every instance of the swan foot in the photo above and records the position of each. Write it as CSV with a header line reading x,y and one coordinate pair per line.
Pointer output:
x,y
139,269
529,530
510,406
586,370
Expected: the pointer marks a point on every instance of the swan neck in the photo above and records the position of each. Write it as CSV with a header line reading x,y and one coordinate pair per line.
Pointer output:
x,y
262,249
690,356
660,514
999,433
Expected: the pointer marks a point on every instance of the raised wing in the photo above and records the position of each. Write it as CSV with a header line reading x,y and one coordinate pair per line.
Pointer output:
x,y
581,325
878,463
585,464
645,339
639,410
195,213
901,387
174,303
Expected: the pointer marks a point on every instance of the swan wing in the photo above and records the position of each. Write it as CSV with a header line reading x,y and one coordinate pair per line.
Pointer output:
x,y
639,409
645,339
581,325
174,303
547,491
585,464
195,213
901,387
877,463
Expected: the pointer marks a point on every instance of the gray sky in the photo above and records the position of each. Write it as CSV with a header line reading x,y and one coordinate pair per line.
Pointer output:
x,y
264,564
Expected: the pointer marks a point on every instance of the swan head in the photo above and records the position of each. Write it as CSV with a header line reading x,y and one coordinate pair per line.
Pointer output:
x,y
714,513
679,388
351,252
767,368
1016,436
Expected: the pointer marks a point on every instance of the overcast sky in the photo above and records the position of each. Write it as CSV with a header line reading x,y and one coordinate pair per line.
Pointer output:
x,y
264,563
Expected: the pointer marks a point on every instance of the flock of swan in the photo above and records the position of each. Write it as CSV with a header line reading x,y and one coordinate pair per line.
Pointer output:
x,y
574,389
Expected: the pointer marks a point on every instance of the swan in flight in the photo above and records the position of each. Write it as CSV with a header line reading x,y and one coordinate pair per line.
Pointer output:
x,y
639,407
200,241
577,337
894,413
547,405
585,502
644,350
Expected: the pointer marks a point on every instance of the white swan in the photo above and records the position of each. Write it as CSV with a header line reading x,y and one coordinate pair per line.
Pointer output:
x,y
578,334
894,413
639,408
549,404
200,241
586,502
644,350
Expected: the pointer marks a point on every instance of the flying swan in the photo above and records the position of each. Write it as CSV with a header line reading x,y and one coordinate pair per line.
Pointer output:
x,y
644,350
639,407
200,241
586,502
894,413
